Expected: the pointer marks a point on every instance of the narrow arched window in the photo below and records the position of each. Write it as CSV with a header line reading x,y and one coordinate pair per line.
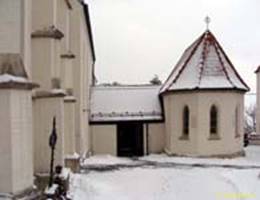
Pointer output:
x,y
186,121
213,120
237,122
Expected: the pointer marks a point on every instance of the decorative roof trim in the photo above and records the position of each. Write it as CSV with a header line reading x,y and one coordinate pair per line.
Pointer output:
x,y
222,64
50,32
203,63
127,114
119,121
189,90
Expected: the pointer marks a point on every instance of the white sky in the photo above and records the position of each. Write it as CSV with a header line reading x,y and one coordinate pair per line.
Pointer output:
x,y
136,39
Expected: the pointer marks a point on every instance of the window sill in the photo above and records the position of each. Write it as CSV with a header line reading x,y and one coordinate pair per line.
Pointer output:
x,y
184,137
214,137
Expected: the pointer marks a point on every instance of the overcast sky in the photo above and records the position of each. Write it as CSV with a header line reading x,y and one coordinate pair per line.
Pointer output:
x,y
136,39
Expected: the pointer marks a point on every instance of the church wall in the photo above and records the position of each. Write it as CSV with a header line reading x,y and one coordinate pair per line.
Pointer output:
x,y
22,139
16,141
11,26
199,142
104,139
173,106
82,76
69,127
16,108
44,14
42,62
44,110
156,140
226,103
5,143
54,58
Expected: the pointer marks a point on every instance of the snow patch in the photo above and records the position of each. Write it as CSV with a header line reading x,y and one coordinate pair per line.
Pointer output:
x,y
5,78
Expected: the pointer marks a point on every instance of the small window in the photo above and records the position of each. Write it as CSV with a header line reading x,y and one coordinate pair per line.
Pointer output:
x,y
213,120
186,121
237,122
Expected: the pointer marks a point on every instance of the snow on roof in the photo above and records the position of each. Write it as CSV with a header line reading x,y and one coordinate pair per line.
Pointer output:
x,y
125,103
204,65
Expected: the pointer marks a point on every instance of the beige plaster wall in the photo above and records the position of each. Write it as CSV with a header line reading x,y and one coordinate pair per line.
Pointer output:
x,y
16,107
199,104
6,175
42,62
69,128
15,29
156,133
16,141
11,26
44,13
75,74
22,142
44,109
226,103
173,105
104,139
82,75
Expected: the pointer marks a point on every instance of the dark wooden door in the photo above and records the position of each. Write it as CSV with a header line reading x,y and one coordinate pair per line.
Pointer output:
x,y
130,139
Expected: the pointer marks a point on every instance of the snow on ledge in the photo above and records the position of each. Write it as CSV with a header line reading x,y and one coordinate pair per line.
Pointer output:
x,y
105,160
5,78
72,156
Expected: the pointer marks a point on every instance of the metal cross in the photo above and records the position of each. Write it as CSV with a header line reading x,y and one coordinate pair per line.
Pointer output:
x,y
207,20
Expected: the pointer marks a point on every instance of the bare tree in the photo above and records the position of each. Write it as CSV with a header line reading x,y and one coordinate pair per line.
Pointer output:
x,y
250,119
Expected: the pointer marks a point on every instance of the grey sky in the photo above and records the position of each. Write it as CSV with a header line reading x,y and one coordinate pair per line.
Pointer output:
x,y
135,39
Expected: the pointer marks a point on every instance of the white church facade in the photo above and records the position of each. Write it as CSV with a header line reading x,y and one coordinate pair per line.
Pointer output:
x,y
197,111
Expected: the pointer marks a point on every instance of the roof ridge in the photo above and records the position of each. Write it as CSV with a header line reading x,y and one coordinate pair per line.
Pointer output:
x,y
222,64
203,61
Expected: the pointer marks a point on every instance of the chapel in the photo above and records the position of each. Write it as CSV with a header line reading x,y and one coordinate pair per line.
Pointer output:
x,y
197,111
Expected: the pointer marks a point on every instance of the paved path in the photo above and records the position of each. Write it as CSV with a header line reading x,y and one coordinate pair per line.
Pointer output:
x,y
154,164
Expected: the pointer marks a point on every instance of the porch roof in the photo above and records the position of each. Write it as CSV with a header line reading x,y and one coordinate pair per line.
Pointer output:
x,y
125,103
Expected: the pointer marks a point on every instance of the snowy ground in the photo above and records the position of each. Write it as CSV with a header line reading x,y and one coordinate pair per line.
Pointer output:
x,y
170,182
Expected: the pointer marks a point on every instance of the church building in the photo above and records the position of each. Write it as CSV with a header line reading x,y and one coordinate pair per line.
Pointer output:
x,y
197,111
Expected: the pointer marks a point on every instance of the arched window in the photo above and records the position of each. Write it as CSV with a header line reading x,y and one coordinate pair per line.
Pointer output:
x,y
186,121
237,122
213,120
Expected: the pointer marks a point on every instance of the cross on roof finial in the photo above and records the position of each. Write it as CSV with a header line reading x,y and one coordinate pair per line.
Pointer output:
x,y
207,20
